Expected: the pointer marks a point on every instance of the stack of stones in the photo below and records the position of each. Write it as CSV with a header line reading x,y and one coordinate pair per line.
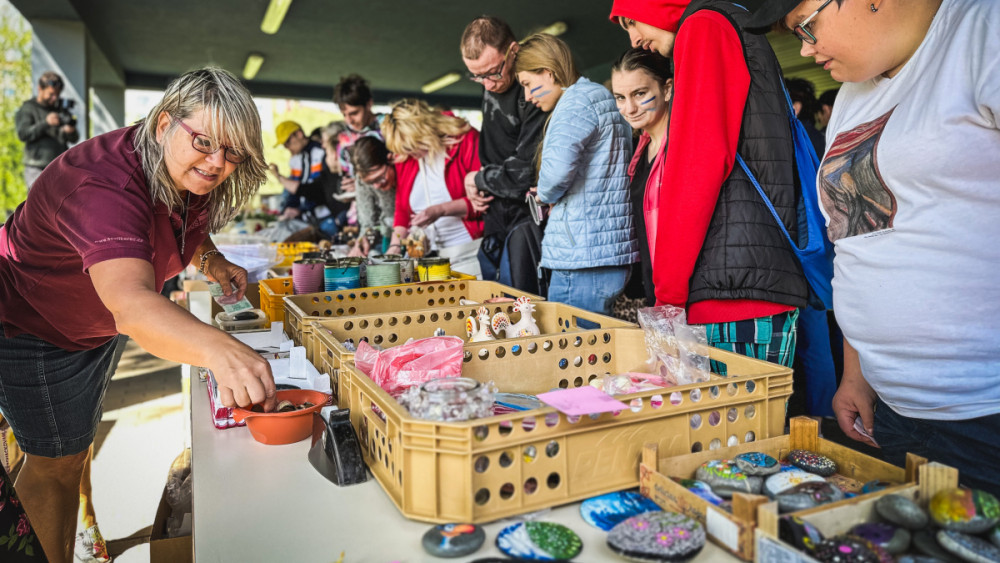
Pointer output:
x,y
960,525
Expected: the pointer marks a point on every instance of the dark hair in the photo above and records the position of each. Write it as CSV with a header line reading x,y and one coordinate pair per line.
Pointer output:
x,y
49,79
660,68
485,31
827,98
368,153
803,91
352,90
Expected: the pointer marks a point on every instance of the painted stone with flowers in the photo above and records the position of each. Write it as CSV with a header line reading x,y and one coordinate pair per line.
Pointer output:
x,y
725,478
658,537
964,510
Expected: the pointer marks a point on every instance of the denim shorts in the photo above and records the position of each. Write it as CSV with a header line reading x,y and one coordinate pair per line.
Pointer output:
x,y
592,289
52,397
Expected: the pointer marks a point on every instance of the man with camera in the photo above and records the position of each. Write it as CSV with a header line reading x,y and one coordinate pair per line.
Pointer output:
x,y
45,125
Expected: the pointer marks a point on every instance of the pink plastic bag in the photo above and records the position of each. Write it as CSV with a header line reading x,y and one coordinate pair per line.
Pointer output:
x,y
411,364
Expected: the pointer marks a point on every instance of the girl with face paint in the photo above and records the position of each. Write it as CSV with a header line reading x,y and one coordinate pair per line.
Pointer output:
x,y
589,243
642,84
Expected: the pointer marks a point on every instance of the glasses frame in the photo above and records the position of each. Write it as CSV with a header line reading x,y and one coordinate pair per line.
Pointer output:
x,y
804,34
382,179
194,137
494,76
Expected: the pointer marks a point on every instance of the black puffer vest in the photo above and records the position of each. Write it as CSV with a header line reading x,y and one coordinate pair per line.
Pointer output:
x,y
745,255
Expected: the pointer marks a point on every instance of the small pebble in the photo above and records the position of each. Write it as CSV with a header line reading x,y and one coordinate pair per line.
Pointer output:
x,y
901,511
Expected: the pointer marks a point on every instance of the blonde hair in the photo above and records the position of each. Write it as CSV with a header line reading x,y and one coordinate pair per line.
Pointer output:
x,y
232,120
541,52
412,126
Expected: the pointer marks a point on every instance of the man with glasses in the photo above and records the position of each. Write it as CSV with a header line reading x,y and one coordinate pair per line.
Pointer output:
x,y
303,192
511,130
44,126
716,249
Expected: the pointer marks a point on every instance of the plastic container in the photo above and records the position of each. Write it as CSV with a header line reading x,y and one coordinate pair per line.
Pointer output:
x,y
486,469
325,348
276,428
232,322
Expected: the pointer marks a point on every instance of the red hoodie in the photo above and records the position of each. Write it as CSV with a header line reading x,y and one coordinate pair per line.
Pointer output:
x,y
711,83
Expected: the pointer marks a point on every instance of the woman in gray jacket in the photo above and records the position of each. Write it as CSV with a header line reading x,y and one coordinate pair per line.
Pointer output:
x,y
590,239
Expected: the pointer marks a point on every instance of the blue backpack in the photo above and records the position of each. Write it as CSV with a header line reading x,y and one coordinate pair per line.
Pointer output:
x,y
813,248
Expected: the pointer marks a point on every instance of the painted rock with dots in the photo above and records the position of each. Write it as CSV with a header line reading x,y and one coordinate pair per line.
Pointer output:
x,y
888,537
539,541
901,511
845,549
453,540
799,533
812,462
808,495
606,511
757,463
725,478
784,480
964,510
658,537
969,548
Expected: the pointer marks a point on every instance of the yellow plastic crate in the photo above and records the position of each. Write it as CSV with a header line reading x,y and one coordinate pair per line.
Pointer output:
x,y
326,350
292,251
301,311
486,469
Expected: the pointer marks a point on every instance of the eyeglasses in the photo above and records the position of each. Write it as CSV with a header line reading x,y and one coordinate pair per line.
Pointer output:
x,y
382,178
493,76
205,145
800,30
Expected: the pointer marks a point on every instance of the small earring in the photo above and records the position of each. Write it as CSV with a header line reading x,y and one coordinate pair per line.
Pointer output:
x,y
873,8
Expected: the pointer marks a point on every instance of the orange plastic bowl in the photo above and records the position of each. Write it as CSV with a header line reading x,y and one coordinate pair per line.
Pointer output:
x,y
276,428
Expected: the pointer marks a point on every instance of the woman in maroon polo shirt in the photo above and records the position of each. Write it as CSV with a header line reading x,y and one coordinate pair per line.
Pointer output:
x,y
83,259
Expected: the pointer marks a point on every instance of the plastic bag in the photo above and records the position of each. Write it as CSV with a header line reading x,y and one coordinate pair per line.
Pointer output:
x,y
631,382
678,351
413,363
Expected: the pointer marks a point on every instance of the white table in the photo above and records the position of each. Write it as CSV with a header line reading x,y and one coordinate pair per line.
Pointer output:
x,y
254,502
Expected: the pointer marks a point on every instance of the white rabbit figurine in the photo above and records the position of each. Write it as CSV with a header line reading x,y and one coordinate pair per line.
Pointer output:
x,y
524,327
480,332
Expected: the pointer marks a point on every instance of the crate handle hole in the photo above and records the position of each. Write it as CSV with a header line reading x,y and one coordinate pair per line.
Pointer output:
x,y
714,418
506,427
482,496
482,464
750,411
750,437
695,395
507,491
732,414
530,486
553,480
528,424
500,352
696,447
547,345
751,386
563,343
732,441
532,347
578,382
656,401
551,419
530,453
715,444
695,421
552,449
578,341
481,432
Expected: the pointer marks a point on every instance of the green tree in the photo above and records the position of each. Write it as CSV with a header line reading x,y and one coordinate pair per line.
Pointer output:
x,y
15,87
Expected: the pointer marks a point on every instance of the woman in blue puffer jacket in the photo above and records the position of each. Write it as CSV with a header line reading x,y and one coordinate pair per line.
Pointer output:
x,y
590,240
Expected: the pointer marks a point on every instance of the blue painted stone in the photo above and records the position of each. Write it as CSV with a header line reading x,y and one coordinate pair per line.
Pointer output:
x,y
453,540
539,541
969,548
606,511
757,463
701,489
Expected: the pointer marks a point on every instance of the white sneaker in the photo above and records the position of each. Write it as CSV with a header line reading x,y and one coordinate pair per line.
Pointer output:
x,y
90,546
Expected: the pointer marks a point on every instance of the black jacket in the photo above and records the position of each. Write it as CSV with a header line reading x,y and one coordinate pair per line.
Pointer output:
x,y
42,142
510,134
745,255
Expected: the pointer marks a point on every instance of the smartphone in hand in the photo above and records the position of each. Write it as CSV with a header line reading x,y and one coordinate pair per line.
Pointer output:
x,y
534,207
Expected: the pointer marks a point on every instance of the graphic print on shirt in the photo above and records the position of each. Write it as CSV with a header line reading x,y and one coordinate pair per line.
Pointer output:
x,y
853,194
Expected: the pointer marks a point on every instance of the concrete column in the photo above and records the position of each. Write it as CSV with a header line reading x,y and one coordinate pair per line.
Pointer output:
x,y
61,46
107,109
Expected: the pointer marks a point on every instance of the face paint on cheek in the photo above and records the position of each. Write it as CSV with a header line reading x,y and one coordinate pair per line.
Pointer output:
x,y
541,94
650,106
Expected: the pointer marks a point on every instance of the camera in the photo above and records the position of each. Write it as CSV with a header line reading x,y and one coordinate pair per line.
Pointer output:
x,y
64,110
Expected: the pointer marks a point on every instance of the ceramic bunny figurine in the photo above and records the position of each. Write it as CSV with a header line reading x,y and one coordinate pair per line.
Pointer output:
x,y
524,327
478,332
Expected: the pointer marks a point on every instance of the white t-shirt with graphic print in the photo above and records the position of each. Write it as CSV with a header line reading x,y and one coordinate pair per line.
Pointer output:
x,y
910,187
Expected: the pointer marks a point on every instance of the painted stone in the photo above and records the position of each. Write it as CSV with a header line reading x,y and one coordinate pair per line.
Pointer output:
x,y
701,489
812,462
539,541
781,482
725,478
888,537
995,536
606,511
850,487
808,495
901,511
757,463
799,533
876,485
964,510
453,540
845,549
925,542
727,505
917,559
969,548
657,536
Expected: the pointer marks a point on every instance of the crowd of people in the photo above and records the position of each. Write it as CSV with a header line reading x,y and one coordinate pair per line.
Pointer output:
x,y
646,191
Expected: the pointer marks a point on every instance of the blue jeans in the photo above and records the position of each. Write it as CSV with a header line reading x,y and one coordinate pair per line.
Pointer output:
x,y
52,397
593,289
972,446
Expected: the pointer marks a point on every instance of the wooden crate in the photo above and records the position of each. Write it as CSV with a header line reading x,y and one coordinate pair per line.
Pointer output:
x,y
735,531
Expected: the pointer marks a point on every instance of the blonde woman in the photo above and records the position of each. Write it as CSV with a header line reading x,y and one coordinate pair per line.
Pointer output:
x,y
434,152
590,241
82,262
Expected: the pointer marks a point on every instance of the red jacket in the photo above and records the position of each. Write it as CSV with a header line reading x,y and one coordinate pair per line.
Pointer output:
x,y
462,158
